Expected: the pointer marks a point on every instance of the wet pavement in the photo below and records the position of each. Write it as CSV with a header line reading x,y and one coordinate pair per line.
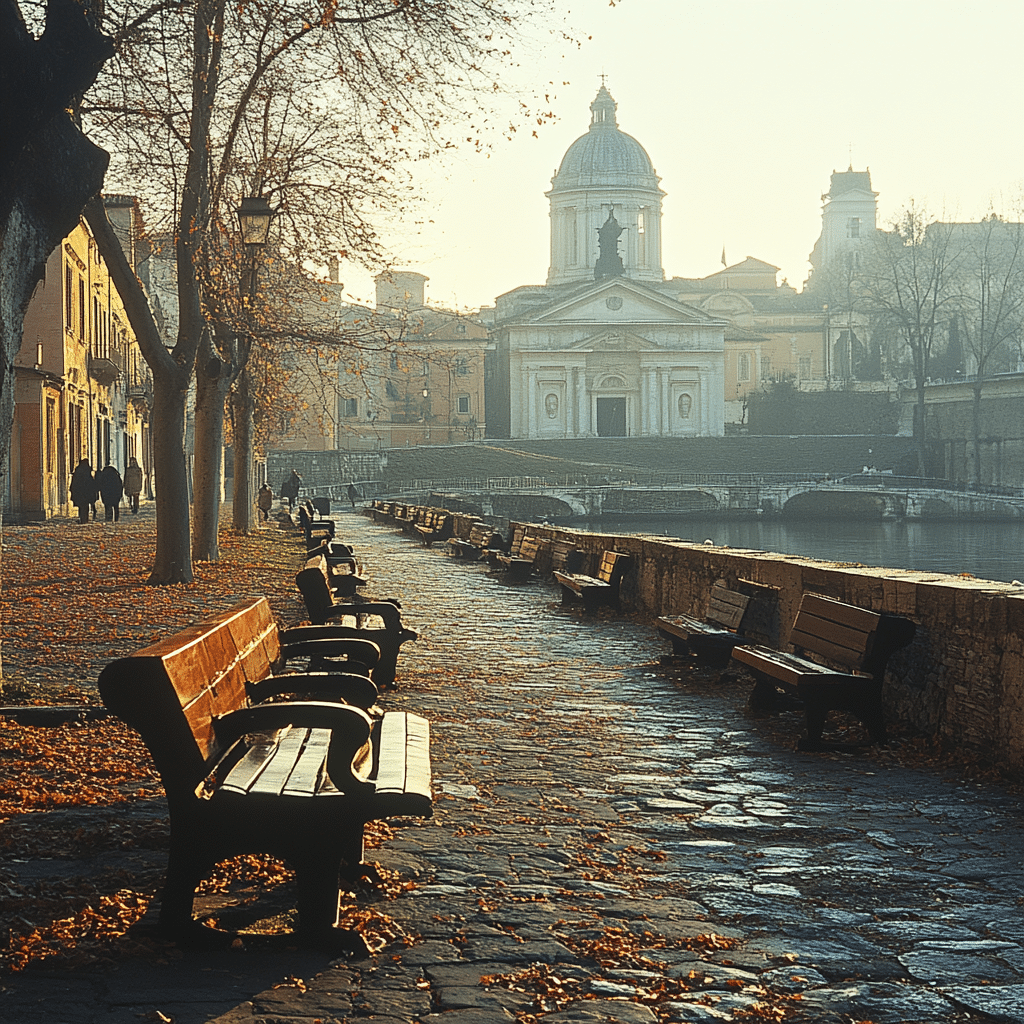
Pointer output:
x,y
614,840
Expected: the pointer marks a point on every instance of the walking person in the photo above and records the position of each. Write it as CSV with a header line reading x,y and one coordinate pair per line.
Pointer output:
x,y
83,490
265,500
352,494
133,484
290,488
108,480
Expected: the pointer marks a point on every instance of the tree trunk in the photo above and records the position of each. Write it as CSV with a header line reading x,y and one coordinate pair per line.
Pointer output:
x,y
212,382
976,430
243,516
173,562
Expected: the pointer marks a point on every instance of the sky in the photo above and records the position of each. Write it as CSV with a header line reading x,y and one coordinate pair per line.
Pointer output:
x,y
745,108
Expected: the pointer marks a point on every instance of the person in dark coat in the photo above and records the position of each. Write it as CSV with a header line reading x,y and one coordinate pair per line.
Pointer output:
x,y
290,488
352,494
111,490
83,490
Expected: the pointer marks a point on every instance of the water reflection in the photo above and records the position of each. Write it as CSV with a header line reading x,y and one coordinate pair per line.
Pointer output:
x,y
993,551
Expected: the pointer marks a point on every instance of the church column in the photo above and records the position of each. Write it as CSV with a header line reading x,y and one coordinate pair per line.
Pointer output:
x,y
530,399
584,426
572,412
652,399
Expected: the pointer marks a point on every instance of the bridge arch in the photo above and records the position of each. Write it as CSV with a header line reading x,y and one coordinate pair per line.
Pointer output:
x,y
818,504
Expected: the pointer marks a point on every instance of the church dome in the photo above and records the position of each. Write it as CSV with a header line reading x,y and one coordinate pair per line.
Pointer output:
x,y
605,155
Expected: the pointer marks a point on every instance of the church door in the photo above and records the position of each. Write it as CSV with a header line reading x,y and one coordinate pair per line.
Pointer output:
x,y
611,417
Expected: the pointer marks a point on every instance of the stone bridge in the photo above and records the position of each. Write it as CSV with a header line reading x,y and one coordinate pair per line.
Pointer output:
x,y
809,499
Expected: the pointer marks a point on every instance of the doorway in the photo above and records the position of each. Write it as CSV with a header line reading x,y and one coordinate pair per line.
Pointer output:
x,y
611,417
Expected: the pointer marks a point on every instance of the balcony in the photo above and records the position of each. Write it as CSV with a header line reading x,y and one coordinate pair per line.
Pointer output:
x,y
103,371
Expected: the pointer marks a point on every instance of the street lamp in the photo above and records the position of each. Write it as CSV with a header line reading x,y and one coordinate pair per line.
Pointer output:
x,y
254,217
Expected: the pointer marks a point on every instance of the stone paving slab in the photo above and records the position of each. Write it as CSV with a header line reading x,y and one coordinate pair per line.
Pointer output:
x,y
597,816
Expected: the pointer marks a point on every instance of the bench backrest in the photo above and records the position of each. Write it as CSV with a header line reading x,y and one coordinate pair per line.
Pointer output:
x,y
848,635
481,534
314,584
528,548
726,607
613,565
517,540
172,691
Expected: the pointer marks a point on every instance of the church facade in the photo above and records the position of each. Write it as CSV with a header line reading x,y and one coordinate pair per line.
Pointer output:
x,y
601,349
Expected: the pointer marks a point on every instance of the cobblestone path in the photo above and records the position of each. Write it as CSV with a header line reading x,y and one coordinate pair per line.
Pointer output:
x,y
617,841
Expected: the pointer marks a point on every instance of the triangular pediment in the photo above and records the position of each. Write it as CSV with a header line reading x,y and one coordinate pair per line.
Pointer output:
x,y
618,300
614,340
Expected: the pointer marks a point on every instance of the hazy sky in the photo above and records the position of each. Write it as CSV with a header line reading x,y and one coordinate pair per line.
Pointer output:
x,y
745,108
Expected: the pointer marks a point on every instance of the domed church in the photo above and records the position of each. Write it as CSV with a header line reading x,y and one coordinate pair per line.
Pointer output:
x,y
600,350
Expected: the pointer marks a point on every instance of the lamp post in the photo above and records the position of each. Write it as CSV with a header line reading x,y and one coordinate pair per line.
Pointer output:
x,y
255,216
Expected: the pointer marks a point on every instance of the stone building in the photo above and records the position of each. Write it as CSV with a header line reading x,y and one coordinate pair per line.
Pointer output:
x,y
602,349
405,374
82,389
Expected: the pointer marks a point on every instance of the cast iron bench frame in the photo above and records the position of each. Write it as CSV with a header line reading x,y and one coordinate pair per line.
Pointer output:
x,y
294,779
859,640
602,589
712,638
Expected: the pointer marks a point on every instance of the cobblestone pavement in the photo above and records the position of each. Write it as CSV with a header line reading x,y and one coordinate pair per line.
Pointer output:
x,y
621,842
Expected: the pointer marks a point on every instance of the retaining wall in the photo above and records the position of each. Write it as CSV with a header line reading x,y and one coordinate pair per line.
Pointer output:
x,y
962,679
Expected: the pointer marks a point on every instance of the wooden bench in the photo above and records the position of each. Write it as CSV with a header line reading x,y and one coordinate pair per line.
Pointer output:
x,y
517,564
592,591
712,638
294,779
342,575
438,524
482,538
322,607
859,640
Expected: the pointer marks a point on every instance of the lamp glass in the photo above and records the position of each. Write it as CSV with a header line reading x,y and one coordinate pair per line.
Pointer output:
x,y
254,217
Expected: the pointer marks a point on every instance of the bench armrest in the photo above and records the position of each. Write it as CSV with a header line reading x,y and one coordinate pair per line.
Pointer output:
x,y
346,721
350,687
357,651
387,611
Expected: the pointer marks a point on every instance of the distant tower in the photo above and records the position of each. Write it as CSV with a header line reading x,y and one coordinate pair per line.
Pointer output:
x,y
605,173
847,220
400,289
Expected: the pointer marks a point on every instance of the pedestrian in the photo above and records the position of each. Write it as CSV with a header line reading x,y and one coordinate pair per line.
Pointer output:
x,y
290,488
83,490
108,480
133,484
352,494
265,500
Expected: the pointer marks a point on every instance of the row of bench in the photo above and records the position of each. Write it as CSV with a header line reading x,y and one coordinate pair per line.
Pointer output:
x,y
840,651
256,757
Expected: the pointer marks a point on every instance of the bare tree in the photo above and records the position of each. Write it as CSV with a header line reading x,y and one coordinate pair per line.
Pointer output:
x,y
209,102
908,280
990,300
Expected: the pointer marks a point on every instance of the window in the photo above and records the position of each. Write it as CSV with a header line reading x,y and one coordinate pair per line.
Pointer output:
x,y
853,227
69,298
394,361
641,237
81,308
743,366
463,405
804,370
766,367
460,328
462,367
350,407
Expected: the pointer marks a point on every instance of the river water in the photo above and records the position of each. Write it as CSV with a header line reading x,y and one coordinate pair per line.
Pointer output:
x,y
993,551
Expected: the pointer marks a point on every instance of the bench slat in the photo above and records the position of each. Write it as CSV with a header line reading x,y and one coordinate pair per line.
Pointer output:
x,y
241,778
831,639
278,769
309,771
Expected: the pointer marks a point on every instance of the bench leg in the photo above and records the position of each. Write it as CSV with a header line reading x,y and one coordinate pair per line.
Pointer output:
x,y
814,716
185,870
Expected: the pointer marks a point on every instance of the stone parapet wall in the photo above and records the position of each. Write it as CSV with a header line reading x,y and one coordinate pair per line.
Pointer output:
x,y
962,679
